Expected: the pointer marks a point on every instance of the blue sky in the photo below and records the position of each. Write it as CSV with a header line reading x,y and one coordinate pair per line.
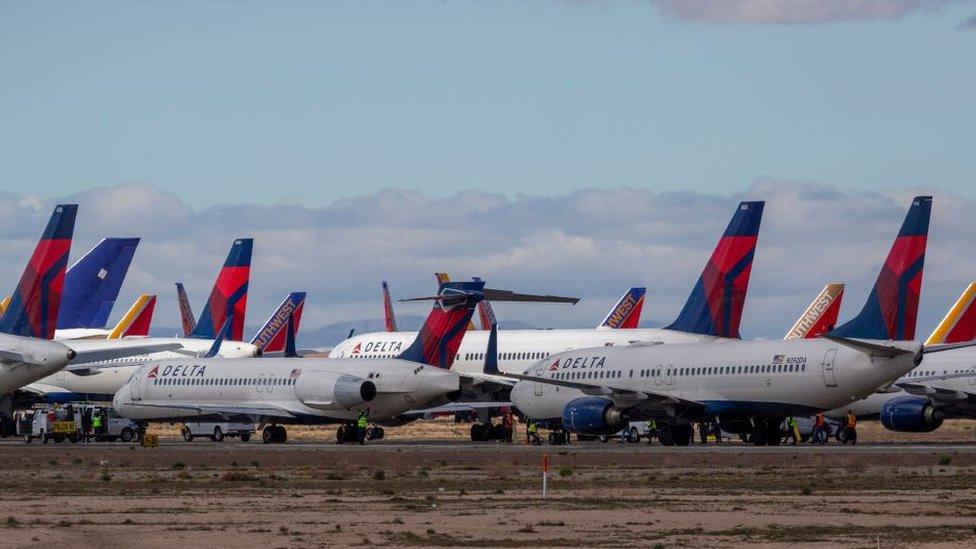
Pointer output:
x,y
308,102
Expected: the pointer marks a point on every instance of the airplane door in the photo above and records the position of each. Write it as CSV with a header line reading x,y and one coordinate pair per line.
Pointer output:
x,y
135,386
829,376
537,389
972,376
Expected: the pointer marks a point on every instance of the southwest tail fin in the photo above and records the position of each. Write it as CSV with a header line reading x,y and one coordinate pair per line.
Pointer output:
x,y
439,338
959,324
716,302
136,320
891,309
627,312
443,278
388,313
33,310
487,315
229,295
186,312
92,284
821,316
273,336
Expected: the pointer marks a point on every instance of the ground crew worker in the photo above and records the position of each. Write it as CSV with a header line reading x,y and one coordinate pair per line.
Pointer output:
x,y
86,423
651,430
850,430
508,422
792,429
97,423
532,432
819,433
362,424
703,432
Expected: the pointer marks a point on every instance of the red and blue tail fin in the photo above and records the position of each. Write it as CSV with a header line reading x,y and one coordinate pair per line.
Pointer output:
x,y
892,307
716,302
388,315
186,312
627,312
33,310
92,284
137,320
229,295
273,335
959,324
440,337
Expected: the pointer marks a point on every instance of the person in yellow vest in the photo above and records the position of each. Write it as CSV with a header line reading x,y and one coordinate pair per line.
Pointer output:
x,y
97,424
533,433
850,430
794,432
362,424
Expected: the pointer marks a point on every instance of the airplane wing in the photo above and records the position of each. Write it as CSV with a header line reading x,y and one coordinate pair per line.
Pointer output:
x,y
453,407
627,398
85,360
474,378
256,409
41,389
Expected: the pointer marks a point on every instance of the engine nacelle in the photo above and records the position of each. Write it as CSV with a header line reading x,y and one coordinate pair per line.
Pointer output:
x,y
911,414
333,391
593,416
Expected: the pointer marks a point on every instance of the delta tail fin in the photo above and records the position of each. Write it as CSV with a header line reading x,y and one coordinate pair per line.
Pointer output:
x,y
186,312
92,284
892,307
959,324
272,337
34,305
229,295
626,313
716,302
821,316
137,320
388,315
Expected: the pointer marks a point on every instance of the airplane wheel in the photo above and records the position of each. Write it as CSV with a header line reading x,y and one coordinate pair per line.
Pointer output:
x,y
187,434
341,434
477,432
267,434
683,435
665,433
218,435
280,434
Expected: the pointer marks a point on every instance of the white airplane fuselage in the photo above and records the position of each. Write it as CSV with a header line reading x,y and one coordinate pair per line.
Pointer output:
x,y
736,379
105,378
310,390
517,349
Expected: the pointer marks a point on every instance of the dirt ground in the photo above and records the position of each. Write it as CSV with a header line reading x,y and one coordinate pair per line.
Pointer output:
x,y
424,494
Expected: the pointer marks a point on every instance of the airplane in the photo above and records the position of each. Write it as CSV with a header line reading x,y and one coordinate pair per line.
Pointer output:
x,y
821,316
712,313
389,316
747,386
280,391
137,320
99,380
272,336
28,351
943,386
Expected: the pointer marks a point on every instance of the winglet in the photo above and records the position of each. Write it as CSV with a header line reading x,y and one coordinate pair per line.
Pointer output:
x,y
219,340
290,329
491,353
821,316
959,324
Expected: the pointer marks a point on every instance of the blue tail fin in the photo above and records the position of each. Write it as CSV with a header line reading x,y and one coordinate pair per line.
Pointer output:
x,y
891,309
290,349
491,353
92,284
221,335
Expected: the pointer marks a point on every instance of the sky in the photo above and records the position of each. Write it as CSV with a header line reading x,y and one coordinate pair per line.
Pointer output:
x,y
566,146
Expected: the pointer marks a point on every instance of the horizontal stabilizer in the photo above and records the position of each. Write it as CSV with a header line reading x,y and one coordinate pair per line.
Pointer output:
x,y
872,349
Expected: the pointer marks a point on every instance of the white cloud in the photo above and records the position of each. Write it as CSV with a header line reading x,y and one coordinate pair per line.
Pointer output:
x,y
592,243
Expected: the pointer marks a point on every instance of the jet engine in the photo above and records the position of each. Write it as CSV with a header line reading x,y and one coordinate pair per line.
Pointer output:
x,y
911,414
332,391
594,416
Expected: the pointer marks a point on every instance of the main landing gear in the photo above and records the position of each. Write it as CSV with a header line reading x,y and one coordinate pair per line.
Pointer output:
x,y
766,431
675,435
350,433
274,434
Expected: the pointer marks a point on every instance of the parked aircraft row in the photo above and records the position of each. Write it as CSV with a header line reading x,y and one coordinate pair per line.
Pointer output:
x,y
588,381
